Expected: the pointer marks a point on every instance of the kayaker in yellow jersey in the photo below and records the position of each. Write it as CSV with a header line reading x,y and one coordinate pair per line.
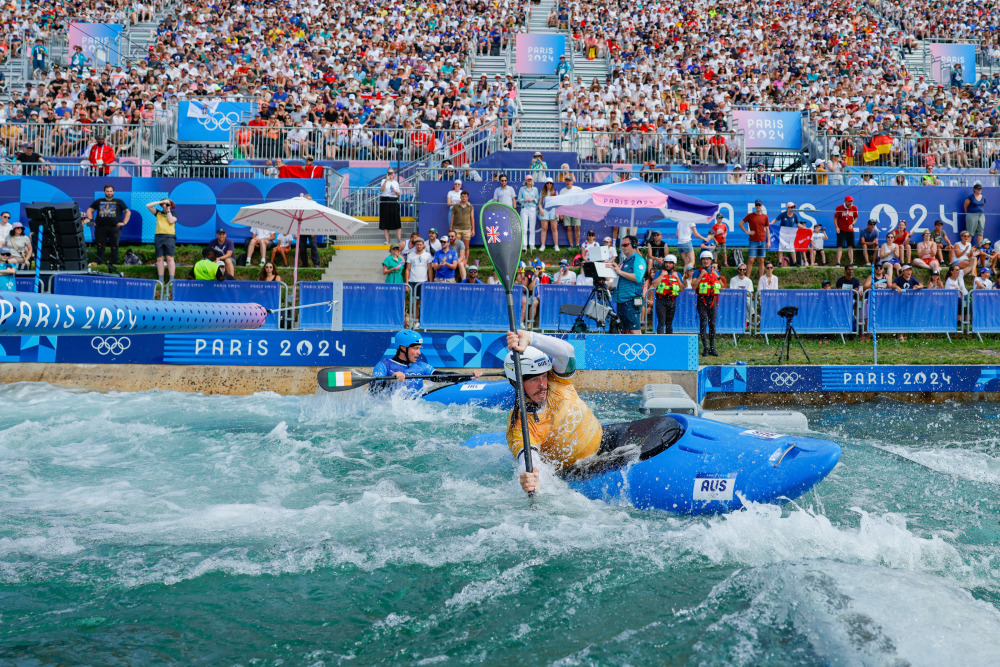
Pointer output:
x,y
561,427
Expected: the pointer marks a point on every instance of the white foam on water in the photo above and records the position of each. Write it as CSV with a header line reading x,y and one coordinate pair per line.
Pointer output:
x,y
971,465
850,614
507,582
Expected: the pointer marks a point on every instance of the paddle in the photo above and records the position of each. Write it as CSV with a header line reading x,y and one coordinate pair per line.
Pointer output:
x,y
331,379
500,226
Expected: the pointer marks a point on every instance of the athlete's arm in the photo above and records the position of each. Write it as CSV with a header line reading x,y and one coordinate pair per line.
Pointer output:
x,y
562,353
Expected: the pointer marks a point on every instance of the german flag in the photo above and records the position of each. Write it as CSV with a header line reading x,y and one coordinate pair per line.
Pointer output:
x,y
879,144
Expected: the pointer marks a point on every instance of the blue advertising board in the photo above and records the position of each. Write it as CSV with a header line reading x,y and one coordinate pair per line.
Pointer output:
x,y
810,379
887,205
944,57
210,122
100,42
442,349
538,53
769,129
203,205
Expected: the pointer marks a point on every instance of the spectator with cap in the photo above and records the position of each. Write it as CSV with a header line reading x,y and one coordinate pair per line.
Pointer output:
x,y
20,246
869,240
564,276
983,281
987,256
844,218
718,234
8,271
817,244
656,249
825,285
756,225
394,265
905,280
472,277
455,194
224,250
445,263
789,223
935,280
433,240
940,237
975,213
538,167
927,252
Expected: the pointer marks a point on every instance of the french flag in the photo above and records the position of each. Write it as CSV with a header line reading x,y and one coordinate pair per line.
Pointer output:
x,y
792,238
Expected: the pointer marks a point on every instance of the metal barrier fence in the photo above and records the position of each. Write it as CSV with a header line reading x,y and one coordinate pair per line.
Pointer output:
x,y
73,140
907,150
661,148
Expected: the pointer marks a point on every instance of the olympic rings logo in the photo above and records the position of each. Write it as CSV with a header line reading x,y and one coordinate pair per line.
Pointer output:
x,y
785,379
110,345
637,351
220,121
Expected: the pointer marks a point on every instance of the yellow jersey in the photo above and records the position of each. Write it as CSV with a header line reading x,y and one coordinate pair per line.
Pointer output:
x,y
163,224
566,430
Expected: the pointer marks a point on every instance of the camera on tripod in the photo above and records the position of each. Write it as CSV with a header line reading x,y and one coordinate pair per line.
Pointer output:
x,y
600,305
788,312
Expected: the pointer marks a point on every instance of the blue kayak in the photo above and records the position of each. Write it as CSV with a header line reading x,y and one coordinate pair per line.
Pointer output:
x,y
499,394
691,465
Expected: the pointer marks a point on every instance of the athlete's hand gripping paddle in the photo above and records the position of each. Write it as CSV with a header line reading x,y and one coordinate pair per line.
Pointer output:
x,y
500,229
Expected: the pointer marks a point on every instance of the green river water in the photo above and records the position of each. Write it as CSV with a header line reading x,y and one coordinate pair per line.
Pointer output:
x,y
157,527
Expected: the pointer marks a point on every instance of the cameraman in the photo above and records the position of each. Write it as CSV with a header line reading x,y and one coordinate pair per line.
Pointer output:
x,y
629,290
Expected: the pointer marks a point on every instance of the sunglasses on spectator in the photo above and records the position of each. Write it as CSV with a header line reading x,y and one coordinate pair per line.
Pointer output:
x,y
626,245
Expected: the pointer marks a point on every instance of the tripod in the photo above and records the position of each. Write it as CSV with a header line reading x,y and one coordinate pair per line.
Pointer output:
x,y
600,308
785,349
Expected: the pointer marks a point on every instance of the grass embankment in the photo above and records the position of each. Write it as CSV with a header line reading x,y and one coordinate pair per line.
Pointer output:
x,y
188,254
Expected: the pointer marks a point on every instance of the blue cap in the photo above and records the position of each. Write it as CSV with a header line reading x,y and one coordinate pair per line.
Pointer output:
x,y
407,338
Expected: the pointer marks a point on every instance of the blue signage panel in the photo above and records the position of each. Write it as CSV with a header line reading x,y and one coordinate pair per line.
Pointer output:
x,y
652,353
770,129
944,57
538,53
211,122
810,379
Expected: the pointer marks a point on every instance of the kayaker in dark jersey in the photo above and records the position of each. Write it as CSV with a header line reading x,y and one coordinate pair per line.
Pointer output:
x,y
405,362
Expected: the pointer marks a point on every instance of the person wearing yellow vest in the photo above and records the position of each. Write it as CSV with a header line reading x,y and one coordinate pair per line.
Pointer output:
x,y
668,287
707,284
207,268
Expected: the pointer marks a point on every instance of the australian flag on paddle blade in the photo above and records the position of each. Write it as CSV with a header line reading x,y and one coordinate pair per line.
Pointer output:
x,y
496,226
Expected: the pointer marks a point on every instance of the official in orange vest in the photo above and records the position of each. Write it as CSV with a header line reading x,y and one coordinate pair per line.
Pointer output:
x,y
707,284
668,286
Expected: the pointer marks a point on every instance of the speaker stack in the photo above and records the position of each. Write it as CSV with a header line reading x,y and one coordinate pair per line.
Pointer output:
x,y
63,247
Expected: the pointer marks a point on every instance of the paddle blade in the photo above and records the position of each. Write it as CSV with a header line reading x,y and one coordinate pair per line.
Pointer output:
x,y
500,227
332,379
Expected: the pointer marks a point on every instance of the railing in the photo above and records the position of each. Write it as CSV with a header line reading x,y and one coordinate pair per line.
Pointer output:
x,y
134,142
680,148
916,151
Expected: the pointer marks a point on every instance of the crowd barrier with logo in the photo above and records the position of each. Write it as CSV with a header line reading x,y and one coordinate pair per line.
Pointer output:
x,y
267,294
468,307
812,379
104,286
985,311
819,311
914,311
551,298
361,307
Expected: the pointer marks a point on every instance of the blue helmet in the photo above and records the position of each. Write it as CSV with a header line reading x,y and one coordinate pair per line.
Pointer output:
x,y
407,338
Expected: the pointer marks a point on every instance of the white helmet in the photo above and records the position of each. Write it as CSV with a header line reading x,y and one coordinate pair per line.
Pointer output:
x,y
670,258
533,362
706,253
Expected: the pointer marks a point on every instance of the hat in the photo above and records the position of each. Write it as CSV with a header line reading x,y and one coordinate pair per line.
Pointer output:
x,y
848,198
5,251
825,282
758,203
904,267
986,242
458,182
474,268
938,222
719,215
16,225
591,233
791,203
872,222
935,272
607,239
563,262
537,153
432,229
220,230
984,270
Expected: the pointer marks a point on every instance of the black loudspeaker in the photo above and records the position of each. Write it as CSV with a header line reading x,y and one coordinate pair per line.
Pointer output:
x,y
63,247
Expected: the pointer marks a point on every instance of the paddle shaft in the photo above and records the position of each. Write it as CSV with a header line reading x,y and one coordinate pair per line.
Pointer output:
x,y
526,443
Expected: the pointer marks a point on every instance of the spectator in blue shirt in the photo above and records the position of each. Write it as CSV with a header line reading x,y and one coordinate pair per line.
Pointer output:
x,y
445,263
473,278
869,239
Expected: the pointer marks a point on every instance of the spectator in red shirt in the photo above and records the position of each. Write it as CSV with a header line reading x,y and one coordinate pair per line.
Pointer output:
x,y
844,218
102,156
718,233
759,233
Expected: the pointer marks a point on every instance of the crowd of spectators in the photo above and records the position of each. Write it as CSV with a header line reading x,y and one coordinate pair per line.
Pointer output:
x,y
678,69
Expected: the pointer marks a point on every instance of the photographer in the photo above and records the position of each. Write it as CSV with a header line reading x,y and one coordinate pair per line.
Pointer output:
x,y
629,290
